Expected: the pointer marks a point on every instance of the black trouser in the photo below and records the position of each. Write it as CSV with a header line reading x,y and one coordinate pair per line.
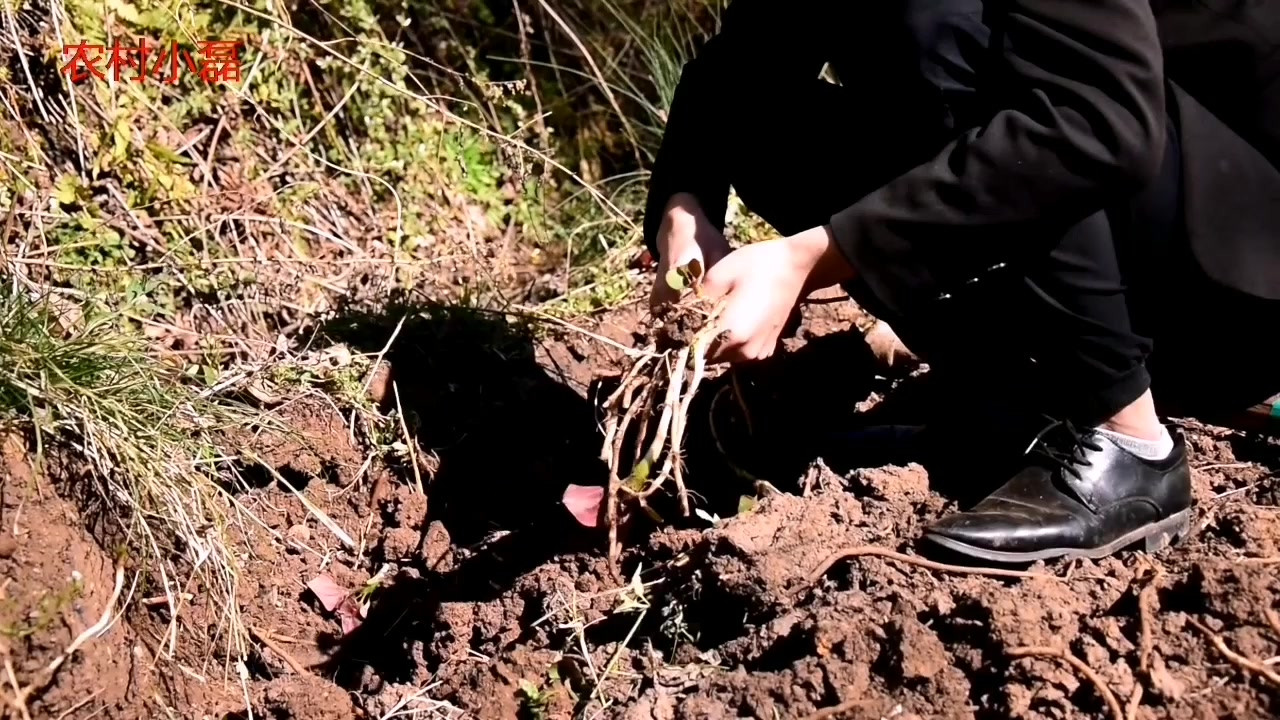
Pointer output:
x,y
1069,334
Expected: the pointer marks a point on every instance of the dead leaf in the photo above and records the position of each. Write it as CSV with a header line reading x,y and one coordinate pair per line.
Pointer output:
x,y
339,601
351,614
328,591
260,392
584,501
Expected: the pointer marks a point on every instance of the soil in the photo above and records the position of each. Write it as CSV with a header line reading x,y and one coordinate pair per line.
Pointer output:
x,y
496,604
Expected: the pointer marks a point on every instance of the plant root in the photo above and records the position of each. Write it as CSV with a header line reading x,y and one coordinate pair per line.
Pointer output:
x,y
266,639
876,551
1117,713
662,382
1147,599
1273,620
715,437
1240,661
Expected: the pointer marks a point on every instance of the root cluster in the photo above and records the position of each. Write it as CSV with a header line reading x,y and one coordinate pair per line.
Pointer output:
x,y
654,400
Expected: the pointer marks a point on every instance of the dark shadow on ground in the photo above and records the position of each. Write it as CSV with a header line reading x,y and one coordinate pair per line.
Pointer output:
x,y
508,436
804,406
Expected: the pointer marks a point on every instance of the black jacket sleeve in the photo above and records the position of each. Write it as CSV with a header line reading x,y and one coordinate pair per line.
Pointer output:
x,y
760,43
1078,122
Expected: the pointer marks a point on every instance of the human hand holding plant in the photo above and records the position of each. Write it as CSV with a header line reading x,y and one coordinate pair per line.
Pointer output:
x,y
757,288
740,304
685,238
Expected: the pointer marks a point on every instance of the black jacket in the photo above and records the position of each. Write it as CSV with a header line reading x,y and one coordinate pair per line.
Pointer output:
x,y
1074,106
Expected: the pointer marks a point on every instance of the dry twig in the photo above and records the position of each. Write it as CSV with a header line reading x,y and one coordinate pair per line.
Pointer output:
x,y
1146,602
1048,652
266,639
1244,663
873,550
23,695
1273,620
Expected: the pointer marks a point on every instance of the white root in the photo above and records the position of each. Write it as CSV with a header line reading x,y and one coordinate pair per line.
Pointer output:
x,y
669,405
676,381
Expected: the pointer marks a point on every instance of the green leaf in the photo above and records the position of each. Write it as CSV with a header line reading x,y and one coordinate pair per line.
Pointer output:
x,y
686,275
746,504
66,190
166,154
124,10
639,475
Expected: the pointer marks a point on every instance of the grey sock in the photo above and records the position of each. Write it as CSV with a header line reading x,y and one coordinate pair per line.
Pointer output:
x,y
1145,449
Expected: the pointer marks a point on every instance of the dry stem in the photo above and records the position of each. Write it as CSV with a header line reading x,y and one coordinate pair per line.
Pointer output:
x,y
1273,620
266,639
872,550
1240,661
836,710
1107,696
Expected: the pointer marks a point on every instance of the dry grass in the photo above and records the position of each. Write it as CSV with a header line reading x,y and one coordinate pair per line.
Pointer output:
x,y
149,446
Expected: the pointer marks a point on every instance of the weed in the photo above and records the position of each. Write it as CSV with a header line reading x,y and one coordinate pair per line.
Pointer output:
x,y
535,702
150,443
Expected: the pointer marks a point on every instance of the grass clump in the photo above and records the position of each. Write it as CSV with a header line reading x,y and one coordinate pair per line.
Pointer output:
x,y
149,447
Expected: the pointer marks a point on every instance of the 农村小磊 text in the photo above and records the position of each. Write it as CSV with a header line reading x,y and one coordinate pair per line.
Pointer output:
x,y
213,61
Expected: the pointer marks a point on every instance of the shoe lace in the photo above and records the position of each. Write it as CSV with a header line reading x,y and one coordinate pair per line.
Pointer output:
x,y
1062,445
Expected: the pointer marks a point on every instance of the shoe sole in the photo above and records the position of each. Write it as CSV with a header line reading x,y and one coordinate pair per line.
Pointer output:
x,y
1155,537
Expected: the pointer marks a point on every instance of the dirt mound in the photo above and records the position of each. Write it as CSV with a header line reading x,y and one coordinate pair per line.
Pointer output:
x,y
888,638
67,652
485,598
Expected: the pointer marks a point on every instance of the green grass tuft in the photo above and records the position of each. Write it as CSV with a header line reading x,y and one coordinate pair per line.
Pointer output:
x,y
151,445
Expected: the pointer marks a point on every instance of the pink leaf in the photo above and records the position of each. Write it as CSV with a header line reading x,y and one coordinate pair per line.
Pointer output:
x,y
328,591
351,615
583,501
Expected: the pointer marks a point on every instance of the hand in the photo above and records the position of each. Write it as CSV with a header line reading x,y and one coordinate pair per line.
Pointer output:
x,y
685,235
760,285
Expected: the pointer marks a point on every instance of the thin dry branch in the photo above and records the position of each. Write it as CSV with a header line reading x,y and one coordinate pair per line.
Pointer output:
x,y
265,638
1273,620
1244,663
836,710
875,551
1059,654
1147,600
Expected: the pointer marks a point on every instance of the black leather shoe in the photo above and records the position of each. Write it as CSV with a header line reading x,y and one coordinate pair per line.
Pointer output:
x,y
1079,495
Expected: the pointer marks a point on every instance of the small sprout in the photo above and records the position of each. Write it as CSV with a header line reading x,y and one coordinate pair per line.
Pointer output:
x,y
685,276
634,597
536,701
746,504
